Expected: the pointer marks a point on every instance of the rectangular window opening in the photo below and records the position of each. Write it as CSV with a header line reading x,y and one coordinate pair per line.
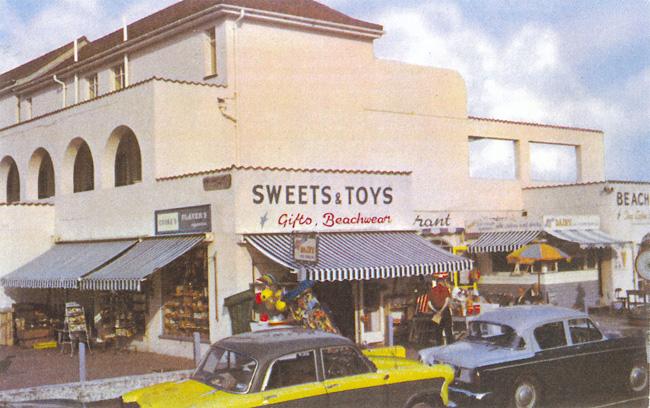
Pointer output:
x,y
118,77
211,52
93,86
492,158
553,162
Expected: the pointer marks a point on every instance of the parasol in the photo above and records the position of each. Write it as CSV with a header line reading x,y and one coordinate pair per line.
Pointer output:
x,y
532,253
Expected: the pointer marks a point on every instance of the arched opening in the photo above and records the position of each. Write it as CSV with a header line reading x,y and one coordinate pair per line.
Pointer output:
x,y
10,179
13,184
128,162
46,177
84,170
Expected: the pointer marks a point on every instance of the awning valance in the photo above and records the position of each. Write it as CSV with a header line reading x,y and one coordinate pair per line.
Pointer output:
x,y
143,259
502,241
588,238
363,255
63,265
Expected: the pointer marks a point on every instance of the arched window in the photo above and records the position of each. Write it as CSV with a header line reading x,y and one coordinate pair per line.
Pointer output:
x,y
84,170
128,163
46,177
9,171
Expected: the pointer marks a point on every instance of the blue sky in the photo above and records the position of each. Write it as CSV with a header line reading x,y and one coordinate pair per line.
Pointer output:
x,y
575,63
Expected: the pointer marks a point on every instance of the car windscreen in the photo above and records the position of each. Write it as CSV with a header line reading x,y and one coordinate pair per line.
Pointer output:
x,y
226,370
495,334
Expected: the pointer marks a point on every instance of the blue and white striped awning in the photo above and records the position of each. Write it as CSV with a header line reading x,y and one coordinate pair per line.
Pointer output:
x,y
135,265
502,241
362,255
588,238
63,265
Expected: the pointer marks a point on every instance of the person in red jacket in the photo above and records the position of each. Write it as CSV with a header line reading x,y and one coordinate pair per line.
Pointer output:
x,y
440,304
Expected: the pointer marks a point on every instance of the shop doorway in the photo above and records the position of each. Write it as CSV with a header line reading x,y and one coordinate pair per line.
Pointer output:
x,y
371,321
338,298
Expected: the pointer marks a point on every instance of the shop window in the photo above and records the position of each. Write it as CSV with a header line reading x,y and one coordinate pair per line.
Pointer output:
x,y
84,170
28,108
292,369
553,162
211,52
46,177
128,162
119,77
121,316
13,183
492,158
185,290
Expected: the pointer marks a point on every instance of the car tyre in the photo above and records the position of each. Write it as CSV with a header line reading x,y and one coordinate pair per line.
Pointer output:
x,y
526,393
637,378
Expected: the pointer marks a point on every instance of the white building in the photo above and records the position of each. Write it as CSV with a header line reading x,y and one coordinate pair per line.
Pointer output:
x,y
248,117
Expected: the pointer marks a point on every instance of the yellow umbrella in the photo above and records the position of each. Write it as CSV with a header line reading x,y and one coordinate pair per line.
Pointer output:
x,y
532,253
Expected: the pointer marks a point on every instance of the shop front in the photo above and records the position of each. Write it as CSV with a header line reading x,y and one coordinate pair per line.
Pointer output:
x,y
337,251
119,287
575,281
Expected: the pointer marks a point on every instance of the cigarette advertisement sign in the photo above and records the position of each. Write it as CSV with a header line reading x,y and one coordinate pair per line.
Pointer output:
x,y
287,201
185,220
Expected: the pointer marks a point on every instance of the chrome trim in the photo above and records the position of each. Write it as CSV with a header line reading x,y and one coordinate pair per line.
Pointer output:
x,y
474,395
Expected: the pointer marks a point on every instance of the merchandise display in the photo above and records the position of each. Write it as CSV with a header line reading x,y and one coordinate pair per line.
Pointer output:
x,y
33,323
121,315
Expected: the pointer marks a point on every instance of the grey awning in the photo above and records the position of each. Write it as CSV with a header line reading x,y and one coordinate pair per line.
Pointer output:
x,y
63,265
363,255
502,241
589,238
143,259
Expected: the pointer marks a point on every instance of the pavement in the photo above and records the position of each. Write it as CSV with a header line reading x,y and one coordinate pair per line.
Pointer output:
x,y
30,373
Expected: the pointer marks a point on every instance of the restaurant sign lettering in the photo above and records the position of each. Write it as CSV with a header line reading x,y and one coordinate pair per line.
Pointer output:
x,y
186,220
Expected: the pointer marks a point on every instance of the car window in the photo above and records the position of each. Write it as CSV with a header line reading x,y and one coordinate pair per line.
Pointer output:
x,y
550,335
226,370
292,369
495,334
583,331
343,361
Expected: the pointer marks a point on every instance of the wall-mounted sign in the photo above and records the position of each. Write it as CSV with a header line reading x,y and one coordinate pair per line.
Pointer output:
x,y
184,220
220,182
573,222
502,224
438,222
286,201
305,247
633,204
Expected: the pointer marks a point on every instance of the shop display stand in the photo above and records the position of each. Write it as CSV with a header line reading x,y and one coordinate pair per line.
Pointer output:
x,y
74,327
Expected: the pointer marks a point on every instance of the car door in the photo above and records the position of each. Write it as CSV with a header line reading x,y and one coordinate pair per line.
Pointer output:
x,y
555,361
351,380
292,381
589,349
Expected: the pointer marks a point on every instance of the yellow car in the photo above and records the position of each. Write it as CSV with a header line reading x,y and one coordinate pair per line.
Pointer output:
x,y
300,368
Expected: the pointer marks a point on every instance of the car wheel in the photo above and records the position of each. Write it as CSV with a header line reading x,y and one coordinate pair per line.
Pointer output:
x,y
637,380
526,393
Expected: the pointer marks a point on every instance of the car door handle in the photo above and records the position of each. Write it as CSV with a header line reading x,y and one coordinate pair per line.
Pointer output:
x,y
269,397
330,386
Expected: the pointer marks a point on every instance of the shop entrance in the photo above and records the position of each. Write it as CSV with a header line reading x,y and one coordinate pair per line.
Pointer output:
x,y
370,305
337,296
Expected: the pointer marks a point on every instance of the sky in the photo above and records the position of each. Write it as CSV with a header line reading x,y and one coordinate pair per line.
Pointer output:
x,y
581,63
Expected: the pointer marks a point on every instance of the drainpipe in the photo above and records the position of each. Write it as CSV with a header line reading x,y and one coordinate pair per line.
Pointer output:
x,y
62,88
76,76
242,14
125,38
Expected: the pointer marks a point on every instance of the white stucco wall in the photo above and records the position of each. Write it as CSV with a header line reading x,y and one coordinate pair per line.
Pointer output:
x,y
25,233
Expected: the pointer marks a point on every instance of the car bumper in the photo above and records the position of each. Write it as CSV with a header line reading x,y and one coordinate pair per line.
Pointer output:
x,y
465,398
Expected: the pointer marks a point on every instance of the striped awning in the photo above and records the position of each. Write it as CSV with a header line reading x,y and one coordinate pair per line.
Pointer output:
x,y
502,241
144,258
362,255
589,238
63,265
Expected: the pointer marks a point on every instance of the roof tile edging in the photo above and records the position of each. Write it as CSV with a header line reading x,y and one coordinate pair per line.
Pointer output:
x,y
587,183
286,169
137,84
534,124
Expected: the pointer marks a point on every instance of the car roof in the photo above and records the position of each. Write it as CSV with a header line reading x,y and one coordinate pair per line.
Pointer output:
x,y
521,318
268,345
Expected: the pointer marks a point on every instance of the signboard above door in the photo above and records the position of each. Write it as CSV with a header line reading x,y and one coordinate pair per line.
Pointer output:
x,y
185,220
